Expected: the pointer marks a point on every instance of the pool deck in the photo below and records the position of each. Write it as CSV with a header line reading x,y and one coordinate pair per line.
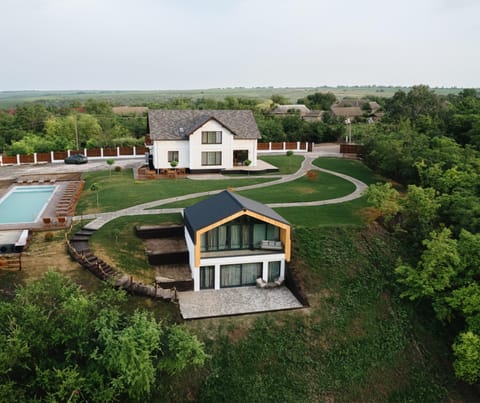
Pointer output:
x,y
235,301
49,212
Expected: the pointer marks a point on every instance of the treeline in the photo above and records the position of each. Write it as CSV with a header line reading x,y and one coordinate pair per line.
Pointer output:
x,y
431,145
39,127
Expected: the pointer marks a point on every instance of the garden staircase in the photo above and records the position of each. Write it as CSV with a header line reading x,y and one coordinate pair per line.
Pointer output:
x,y
79,250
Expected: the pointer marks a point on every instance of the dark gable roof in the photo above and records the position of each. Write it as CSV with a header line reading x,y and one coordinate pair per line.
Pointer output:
x,y
223,205
165,124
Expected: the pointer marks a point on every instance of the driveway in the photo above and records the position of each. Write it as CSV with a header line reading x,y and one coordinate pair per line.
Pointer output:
x,y
11,172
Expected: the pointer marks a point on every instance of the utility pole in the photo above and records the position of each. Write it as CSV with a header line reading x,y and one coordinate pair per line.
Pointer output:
x,y
76,131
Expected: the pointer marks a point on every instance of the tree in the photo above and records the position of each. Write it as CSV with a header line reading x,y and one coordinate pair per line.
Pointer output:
x,y
59,343
467,354
110,162
279,99
319,101
95,188
438,266
385,198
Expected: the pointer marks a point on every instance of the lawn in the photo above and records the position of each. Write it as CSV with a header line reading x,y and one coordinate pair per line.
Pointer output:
x,y
119,190
354,168
286,164
117,244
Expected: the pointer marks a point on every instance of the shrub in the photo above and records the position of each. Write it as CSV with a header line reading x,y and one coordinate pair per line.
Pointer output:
x,y
118,168
289,153
49,237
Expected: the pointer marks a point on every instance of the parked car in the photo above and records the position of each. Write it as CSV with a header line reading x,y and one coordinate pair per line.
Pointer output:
x,y
76,159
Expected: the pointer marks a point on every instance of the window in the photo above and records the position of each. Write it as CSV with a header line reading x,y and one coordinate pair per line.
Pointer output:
x,y
207,277
237,275
212,158
211,137
172,156
273,271
242,233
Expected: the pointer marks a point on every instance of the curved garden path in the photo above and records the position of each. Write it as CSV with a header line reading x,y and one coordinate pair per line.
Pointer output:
x,y
101,219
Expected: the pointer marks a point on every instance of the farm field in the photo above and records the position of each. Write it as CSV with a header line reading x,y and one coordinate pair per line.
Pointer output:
x,y
10,99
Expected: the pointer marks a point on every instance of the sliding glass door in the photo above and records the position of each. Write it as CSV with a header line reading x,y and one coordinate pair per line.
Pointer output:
x,y
237,275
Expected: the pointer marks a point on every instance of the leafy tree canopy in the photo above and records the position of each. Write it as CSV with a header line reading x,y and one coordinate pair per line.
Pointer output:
x,y
58,343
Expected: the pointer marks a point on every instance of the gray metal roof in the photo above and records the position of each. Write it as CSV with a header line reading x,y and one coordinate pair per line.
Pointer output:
x,y
167,124
223,205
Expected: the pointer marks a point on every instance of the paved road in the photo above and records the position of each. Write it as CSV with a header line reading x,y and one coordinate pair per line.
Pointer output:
x,y
12,172
102,218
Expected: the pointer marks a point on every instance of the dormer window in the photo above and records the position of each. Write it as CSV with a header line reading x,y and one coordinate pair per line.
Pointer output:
x,y
211,137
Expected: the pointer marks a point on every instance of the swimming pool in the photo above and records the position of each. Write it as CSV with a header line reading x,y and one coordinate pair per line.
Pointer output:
x,y
25,204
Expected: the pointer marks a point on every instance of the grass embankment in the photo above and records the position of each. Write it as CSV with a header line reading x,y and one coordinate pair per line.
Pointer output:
x,y
117,244
357,342
119,190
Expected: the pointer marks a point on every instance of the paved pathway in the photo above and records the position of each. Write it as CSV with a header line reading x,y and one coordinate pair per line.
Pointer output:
x,y
149,208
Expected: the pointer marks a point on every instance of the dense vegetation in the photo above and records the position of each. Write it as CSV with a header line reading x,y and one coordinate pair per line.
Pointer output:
x,y
431,144
59,343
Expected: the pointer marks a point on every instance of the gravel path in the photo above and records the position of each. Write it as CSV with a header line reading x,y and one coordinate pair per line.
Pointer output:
x,y
102,218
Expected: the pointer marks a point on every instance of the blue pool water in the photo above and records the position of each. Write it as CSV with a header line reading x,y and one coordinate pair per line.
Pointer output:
x,y
24,203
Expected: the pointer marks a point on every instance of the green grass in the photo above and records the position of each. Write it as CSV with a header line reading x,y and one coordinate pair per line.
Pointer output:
x,y
342,214
119,190
354,168
286,164
354,344
117,241
321,187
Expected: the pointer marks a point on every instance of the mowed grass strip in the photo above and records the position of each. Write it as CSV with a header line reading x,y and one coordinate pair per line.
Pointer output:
x,y
119,190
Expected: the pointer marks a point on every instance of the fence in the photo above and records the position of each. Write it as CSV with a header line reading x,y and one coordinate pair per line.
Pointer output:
x,y
351,148
298,146
59,156
132,152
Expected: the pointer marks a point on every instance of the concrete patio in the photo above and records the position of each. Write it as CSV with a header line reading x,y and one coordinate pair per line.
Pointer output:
x,y
235,301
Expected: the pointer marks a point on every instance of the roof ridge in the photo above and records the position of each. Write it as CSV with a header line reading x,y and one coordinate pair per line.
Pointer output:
x,y
234,196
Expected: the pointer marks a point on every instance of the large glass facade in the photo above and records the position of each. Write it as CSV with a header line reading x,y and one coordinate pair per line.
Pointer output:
x,y
242,233
237,275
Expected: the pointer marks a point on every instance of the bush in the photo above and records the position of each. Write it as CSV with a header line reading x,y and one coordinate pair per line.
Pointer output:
x,y
289,153
49,237
118,168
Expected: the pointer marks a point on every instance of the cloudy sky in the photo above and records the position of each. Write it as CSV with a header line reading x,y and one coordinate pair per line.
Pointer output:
x,y
190,44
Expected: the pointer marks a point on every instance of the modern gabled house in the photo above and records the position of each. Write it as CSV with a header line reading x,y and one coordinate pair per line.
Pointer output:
x,y
233,241
202,140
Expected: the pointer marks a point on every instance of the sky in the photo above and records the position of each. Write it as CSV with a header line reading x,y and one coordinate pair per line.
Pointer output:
x,y
193,44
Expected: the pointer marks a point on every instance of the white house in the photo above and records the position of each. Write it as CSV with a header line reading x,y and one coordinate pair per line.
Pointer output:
x,y
233,241
202,140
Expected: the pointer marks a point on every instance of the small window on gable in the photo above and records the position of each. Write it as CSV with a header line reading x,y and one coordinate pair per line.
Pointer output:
x,y
211,137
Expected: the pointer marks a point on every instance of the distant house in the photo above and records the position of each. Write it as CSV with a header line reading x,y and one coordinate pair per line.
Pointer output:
x,y
284,110
347,112
202,140
129,110
233,241
313,116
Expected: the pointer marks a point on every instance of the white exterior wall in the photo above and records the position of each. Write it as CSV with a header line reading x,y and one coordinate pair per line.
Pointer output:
x,y
161,149
191,260
250,145
190,151
196,146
